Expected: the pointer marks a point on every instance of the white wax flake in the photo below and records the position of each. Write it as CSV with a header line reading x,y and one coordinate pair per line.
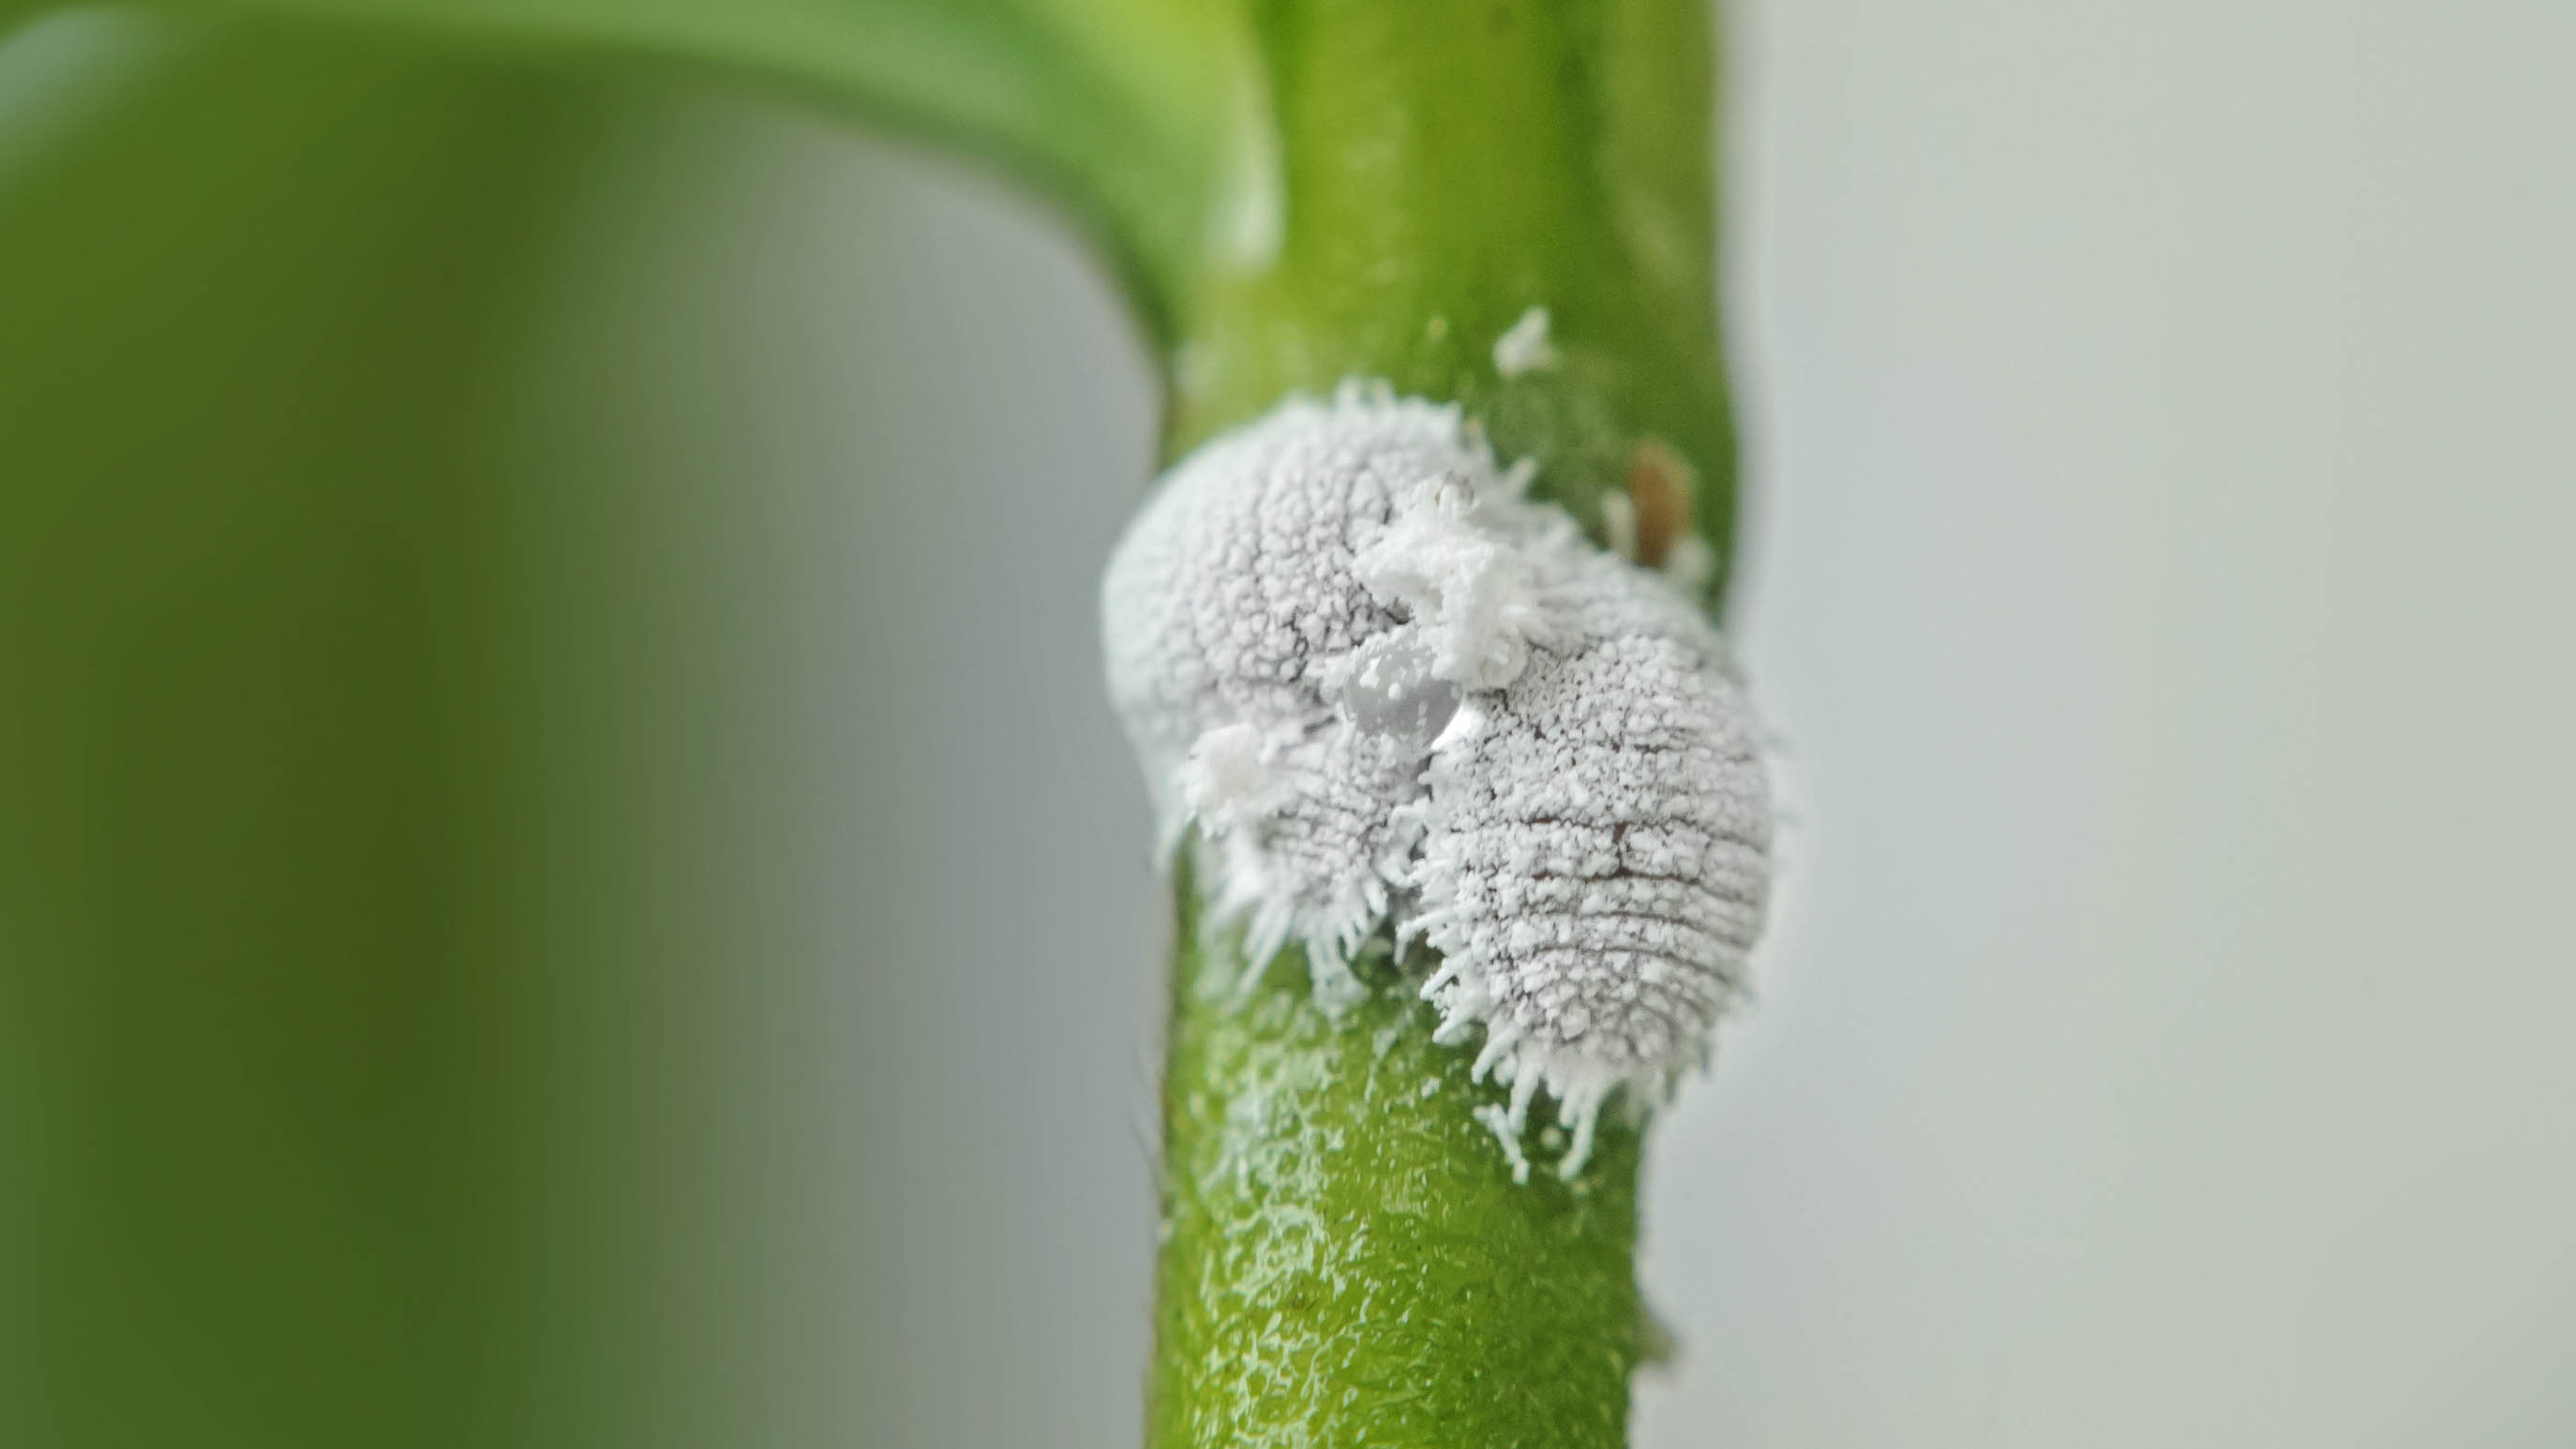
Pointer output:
x,y
1224,779
1390,691
1524,347
1690,563
1619,524
1507,1132
1468,583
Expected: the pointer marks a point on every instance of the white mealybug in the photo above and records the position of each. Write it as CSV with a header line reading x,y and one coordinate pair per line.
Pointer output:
x,y
1388,689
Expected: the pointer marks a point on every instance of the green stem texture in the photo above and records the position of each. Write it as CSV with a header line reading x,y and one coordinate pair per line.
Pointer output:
x,y
1346,1258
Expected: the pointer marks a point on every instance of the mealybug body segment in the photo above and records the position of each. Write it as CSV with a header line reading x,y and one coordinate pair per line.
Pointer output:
x,y
1595,855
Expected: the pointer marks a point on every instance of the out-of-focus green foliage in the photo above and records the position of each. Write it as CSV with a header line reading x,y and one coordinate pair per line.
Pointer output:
x,y
265,959
1130,114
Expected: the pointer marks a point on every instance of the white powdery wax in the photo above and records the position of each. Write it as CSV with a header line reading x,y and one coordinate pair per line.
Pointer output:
x,y
1389,690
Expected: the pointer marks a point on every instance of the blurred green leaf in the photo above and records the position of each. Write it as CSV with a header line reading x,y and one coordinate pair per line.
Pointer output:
x,y
258,1163
1133,115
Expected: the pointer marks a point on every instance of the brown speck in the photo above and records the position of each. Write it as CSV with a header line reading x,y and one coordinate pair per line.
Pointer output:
x,y
1661,484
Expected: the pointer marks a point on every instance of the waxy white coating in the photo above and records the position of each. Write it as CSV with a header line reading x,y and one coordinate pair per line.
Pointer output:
x,y
1392,693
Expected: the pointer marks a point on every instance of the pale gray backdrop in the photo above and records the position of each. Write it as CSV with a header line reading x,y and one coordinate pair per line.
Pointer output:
x,y
2164,473
2163,481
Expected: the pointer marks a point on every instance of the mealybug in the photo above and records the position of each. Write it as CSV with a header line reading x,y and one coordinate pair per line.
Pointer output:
x,y
1388,689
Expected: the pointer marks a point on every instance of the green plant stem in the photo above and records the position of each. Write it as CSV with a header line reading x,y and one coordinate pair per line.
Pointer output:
x,y
1444,165
1346,1258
